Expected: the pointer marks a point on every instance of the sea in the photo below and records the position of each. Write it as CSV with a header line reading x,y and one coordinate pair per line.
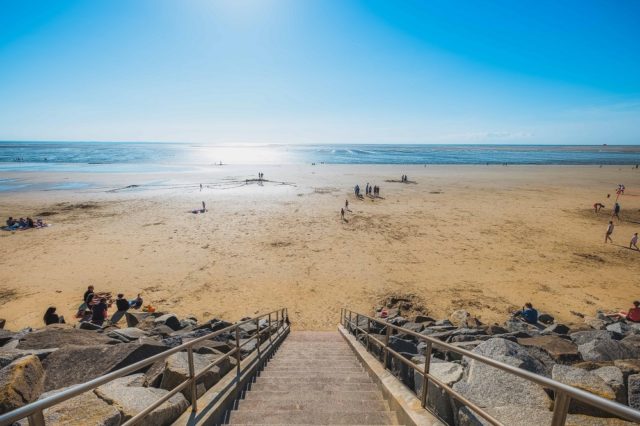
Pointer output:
x,y
114,157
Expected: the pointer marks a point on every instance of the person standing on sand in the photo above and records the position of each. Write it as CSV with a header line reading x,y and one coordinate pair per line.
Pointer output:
x,y
634,241
342,213
616,211
609,232
204,208
200,187
346,204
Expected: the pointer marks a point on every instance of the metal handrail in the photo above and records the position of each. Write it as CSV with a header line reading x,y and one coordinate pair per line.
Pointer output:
x,y
34,410
563,393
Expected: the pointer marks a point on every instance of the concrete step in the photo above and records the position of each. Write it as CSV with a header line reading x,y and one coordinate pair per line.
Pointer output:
x,y
259,386
295,380
311,367
313,395
306,405
308,375
312,417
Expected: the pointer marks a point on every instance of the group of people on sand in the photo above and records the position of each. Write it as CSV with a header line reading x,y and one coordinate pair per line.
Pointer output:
x,y
529,314
23,223
597,207
372,190
404,178
95,306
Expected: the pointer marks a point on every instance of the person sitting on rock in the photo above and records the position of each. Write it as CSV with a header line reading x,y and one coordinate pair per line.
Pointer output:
x,y
633,315
99,312
50,317
527,314
122,305
137,302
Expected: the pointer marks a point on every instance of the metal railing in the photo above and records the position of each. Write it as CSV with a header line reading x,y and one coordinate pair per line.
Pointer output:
x,y
277,326
563,394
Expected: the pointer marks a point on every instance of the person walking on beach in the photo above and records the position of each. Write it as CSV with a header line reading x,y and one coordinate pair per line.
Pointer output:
x,y
204,208
634,241
607,237
200,187
346,204
616,211
342,213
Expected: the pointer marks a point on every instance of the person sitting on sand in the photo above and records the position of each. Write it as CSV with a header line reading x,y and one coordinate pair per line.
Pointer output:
x,y
634,241
597,207
633,315
527,314
99,312
122,306
11,221
137,302
50,317
607,237
30,223
22,222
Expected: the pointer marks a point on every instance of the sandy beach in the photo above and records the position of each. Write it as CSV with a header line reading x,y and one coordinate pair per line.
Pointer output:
x,y
486,239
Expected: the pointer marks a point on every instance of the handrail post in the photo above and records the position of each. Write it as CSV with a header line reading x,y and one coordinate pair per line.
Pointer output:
x,y
270,340
560,409
425,374
258,336
386,345
238,356
368,332
356,328
192,377
37,419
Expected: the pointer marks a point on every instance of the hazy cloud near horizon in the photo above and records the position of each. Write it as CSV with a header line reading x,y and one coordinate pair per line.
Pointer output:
x,y
320,71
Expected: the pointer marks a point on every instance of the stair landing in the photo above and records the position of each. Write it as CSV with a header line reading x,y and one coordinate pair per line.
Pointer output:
x,y
313,378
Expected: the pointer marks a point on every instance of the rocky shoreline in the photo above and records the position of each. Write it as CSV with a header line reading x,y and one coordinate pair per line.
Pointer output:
x,y
38,363
601,356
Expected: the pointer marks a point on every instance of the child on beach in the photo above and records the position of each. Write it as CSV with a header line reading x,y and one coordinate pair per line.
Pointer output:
x,y
597,207
607,237
634,241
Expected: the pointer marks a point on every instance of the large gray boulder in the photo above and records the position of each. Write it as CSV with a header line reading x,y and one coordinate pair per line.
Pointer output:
x,y
5,336
90,362
177,370
526,416
7,356
492,387
127,334
84,409
129,400
170,320
438,399
633,385
21,382
585,380
607,349
59,336
614,378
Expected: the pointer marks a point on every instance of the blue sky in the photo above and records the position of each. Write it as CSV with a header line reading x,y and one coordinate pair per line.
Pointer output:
x,y
321,71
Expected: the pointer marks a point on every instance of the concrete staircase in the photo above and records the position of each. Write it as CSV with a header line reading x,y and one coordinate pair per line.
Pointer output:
x,y
313,378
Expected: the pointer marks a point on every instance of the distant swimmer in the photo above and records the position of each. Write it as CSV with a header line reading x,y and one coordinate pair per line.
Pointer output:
x,y
609,232
597,207
634,241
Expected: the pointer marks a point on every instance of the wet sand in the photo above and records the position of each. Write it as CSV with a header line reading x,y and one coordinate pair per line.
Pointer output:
x,y
486,239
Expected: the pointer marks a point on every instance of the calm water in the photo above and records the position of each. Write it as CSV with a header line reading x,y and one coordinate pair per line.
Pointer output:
x,y
131,157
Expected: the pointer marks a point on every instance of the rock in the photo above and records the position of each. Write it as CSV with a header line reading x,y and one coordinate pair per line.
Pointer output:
x,y
491,387
21,382
403,345
170,320
614,378
129,333
546,319
582,337
511,415
633,392
459,317
628,366
84,409
7,356
473,322
92,361
216,324
559,349
53,337
632,340
161,330
5,336
587,381
556,329
514,325
607,349
177,370
596,323
423,318
172,342
130,400
397,320
494,329
414,326
618,327
438,399
206,346
84,325
2,323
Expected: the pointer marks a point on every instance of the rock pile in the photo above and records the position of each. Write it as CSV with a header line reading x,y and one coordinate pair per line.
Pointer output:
x,y
600,356
38,363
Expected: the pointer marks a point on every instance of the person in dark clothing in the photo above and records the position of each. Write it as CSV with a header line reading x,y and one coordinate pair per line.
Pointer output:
x,y
50,317
88,295
123,306
528,314
99,312
137,302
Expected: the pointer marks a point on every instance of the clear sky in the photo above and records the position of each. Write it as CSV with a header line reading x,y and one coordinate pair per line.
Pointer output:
x,y
321,71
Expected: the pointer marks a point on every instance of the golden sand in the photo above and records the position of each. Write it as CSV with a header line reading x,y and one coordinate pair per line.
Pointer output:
x,y
486,239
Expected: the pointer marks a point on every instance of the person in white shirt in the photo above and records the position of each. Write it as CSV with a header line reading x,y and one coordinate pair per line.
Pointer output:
x,y
609,232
